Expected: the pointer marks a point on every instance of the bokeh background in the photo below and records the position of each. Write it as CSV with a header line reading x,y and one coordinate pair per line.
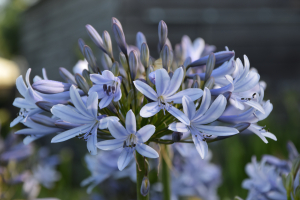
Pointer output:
x,y
44,33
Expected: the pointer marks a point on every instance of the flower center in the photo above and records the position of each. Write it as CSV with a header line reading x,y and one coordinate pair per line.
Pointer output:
x,y
163,104
110,89
130,141
23,113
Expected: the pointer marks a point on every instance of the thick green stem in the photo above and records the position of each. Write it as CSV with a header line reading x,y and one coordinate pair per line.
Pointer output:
x,y
140,175
166,179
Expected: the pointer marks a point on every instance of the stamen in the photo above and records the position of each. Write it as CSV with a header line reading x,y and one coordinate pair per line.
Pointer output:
x,y
113,89
104,87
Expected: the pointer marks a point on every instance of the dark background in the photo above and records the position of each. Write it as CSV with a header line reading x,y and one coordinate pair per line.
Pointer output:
x,y
45,34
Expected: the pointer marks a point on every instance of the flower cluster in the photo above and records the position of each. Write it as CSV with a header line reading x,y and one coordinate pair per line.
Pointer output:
x,y
142,99
273,178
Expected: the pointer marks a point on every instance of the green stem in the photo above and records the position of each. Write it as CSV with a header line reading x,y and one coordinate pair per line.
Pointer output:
x,y
139,176
166,179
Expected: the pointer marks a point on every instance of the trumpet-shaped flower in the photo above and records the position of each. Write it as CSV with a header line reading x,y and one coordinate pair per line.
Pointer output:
x,y
165,95
130,139
85,115
107,86
199,119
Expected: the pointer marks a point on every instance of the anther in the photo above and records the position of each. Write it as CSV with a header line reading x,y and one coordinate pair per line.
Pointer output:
x,y
113,89
104,87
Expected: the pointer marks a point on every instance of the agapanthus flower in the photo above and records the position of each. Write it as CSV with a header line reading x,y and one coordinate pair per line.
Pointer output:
x,y
80,66
85,116
165,95
199,120
107,86
130,139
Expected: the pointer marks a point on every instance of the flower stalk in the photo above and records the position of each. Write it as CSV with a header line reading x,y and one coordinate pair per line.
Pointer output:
x,y
140,175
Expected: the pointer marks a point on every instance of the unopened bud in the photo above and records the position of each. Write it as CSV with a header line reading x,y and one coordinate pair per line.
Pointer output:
x,y
145,187
86,75
89,56
166,57
293,153
123,61
221,57
133,64
81,45
210,65
196,81
149,70
241,126
145,55
81,82
151,61
176,136
106,62
120,38
115,68
171,74
43,120
162,33
94,35
50,86
210,83
107,42
140,39
45,105
187,61
67,76
116,21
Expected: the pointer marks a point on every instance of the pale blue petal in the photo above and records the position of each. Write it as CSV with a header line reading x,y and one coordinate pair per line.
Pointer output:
x,y
216,130
247,83
268,107
69,114
78,103
105,101
200,145
227,88
145,133
150,109
30,138
255,105
188,107
193,93
21,85
130,122
103,123
117,130
125,157
258,133
146,151
178,127
111,144
162,81
92,104
118,94
206,99
214,112
179,115
16,121
23,103
92,141
71,133
175,81
145,89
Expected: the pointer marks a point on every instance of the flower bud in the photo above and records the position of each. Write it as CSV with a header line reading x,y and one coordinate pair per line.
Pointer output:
x,y
288,183
140,39
123,61
50,86
176,136
43,120
107,42
187,61
151,61
81,82
162,33
293,153
90,58
120,38
167,57
145,187
210,65
116,21
81,45
210,83
86,75
221,57
106,62
149,70
196,82
133,64
242,126
145,55
45,105
67,76
115,68
171,74
94,35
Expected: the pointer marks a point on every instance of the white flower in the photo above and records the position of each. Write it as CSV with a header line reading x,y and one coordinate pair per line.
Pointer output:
x,y
197,119
107,86
165,94
129,139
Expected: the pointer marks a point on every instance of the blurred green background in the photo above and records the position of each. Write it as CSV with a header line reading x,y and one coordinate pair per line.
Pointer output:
x,y
279,70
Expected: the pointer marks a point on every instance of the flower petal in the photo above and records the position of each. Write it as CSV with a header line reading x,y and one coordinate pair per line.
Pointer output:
x,y
179,115
16,121
200,145
145,133
78,103
206,99
92,141
103,123
146,151
125,157
92,104
255,105
21,85
216,130
23,103
175,82
117,130
188,107
105,101
150,109
162,81
130,122
71,133
178,127
111,144
193,93
145,89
